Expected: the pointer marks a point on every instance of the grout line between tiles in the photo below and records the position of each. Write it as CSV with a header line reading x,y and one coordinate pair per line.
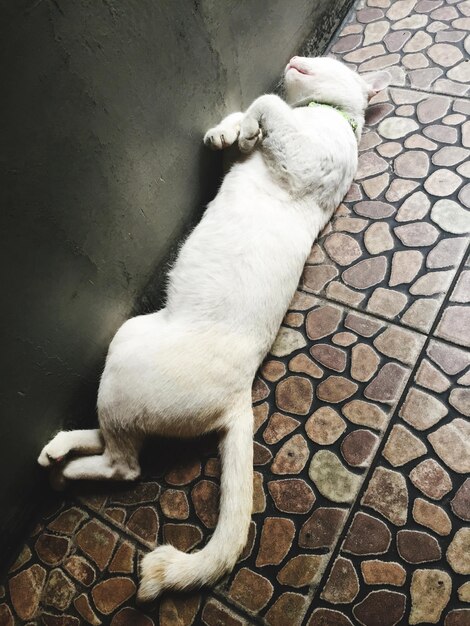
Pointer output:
x,y
430,92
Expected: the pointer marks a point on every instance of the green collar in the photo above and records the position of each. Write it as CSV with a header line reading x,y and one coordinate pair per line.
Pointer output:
x,y
347,117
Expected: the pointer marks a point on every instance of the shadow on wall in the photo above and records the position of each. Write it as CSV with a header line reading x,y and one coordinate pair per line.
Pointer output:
x,y
103,171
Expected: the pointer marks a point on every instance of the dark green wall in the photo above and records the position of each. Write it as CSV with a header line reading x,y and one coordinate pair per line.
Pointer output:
x,y
103,108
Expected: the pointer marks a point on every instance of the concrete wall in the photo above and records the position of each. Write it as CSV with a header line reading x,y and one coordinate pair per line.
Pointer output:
x,y
104,104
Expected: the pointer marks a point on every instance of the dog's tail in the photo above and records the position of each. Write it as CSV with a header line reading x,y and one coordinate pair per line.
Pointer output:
x,y
168,568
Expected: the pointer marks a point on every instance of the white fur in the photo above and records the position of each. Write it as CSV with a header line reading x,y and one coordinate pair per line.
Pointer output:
x,y
188,369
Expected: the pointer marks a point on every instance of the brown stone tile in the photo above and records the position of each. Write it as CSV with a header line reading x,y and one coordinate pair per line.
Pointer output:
x,y
182,536
260,390
381,607
259,496
329,356
139,493
287,341
97,542
323,321
454,325
328,617
342,585
323,528
402,446
292,456
279,426
260,414
383,573
303,364
460,400
364,362
53,620
458,552
430,593
111,593
344,339
422,410
123,561
315,278
461,502
302,570
365,414
144,524
291,495
336,389
51,549
367,535
68,521
174,504
432,479
117,514
452,444
248,549
184,474
80,570
273,370
215,614
175,610
261,454
294,395
23,557
205,497
431,516
294,319
417,547
251,590
59,590
387,494
388,384
288,609
366,273
458,617
276,539
450,359
399,344
82,605
6,617
358,447
430,377
26,589
325,426
343,249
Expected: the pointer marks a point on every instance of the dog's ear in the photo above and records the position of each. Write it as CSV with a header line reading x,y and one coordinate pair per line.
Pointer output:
x,y
376,81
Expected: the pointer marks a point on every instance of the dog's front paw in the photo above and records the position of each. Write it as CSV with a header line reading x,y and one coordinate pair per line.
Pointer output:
x,y
221,136
250,135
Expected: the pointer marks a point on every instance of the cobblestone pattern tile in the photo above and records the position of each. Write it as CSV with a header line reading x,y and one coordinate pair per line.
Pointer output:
x,y
424,44
394,245
454,323
322,400
408,544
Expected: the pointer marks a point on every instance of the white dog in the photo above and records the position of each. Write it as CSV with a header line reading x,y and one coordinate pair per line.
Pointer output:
x,y
188,369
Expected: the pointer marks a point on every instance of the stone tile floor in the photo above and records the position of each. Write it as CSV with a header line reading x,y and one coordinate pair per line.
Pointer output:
x,y
362,443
